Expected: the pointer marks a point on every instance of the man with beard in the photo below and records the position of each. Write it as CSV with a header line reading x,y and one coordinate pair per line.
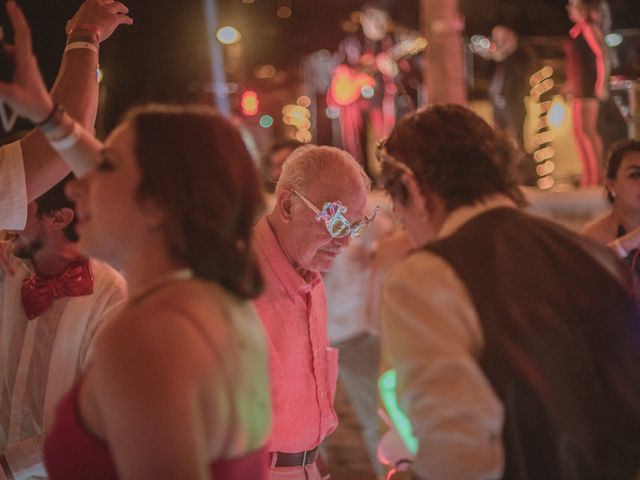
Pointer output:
x,y
50,311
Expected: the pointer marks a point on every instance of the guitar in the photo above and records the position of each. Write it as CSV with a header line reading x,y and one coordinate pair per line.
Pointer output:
x,y
347,82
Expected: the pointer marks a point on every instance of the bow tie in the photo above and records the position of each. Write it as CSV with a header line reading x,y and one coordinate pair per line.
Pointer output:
x,y
39,292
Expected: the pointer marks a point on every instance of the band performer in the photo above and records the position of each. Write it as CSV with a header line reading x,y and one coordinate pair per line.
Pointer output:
x,y
375,80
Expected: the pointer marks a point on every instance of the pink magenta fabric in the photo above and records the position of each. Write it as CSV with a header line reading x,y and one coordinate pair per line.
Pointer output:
x,y
71,452
303,368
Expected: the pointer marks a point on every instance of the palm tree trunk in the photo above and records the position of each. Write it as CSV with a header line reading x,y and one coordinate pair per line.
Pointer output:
x,y
444,74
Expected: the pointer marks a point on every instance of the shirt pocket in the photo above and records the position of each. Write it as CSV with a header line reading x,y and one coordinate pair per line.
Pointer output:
x,y
332,372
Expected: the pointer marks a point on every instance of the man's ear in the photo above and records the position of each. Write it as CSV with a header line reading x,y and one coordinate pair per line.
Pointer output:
x,y
284,205
415,194
59,219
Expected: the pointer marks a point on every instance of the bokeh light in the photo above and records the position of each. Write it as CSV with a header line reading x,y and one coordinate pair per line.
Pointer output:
x,y
228,35
283,12
266,121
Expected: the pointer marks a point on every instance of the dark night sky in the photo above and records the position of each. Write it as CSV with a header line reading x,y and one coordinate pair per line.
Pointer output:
x,y
162,55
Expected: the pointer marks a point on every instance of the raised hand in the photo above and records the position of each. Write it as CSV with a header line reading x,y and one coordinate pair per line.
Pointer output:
x,y
103,15
27,94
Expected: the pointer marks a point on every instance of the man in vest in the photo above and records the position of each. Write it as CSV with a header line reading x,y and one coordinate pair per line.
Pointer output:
x,y
516,342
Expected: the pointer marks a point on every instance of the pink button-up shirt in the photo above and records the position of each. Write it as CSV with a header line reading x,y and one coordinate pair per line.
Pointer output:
x,y
303,368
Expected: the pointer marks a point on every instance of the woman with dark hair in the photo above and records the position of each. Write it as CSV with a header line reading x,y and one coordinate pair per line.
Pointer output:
x,y
620,227
587,75
455,179
178,385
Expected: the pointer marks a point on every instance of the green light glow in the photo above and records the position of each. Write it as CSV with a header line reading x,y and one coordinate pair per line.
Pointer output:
x,y
266,121
387,385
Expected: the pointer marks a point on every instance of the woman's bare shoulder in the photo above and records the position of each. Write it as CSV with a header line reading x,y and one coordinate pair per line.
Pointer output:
x,y
163,329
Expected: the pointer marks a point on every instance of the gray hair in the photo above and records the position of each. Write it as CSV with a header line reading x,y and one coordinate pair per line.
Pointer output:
x,y
308,163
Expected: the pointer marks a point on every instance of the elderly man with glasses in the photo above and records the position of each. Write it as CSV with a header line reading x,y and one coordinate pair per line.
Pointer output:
x,y
320,204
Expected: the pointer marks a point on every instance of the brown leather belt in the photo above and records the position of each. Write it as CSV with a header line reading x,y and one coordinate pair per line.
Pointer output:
x,y
299,459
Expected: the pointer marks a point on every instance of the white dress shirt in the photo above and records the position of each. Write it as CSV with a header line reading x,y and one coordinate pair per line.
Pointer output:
x,y
351,298
41,358
433,334
13,188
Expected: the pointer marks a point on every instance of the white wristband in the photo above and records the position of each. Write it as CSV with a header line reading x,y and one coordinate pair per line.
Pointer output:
x,y
619,249
69,140
81,45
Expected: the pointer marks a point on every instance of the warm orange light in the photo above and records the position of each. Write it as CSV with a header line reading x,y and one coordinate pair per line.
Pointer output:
x,y
249,102
545,183
544,154
303,101
303,135
283,12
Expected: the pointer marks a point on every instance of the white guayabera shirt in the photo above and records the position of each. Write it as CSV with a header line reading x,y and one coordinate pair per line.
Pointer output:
x,y
41,358
13,188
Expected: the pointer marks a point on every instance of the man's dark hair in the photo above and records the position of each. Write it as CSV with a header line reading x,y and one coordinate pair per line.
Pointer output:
x,y
453,153
285,143
195,166
616,153
54,199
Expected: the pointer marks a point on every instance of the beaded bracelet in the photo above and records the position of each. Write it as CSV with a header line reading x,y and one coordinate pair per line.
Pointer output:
x,y
53,120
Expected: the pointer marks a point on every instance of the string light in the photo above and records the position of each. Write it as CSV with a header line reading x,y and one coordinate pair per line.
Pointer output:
x,y
299,116
545,168
544,154
545,183
541,83
303,136
545,136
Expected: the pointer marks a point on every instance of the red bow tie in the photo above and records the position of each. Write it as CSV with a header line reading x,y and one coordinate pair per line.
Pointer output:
x,y
39,292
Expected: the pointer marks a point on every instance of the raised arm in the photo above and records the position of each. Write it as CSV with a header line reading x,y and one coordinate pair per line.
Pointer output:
x,y
76,87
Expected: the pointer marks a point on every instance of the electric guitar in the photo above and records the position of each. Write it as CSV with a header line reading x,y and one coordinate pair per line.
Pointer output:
x,y
347,82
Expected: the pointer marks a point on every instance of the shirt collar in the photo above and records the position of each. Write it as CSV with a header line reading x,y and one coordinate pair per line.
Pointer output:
x,y
462,215
274,256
